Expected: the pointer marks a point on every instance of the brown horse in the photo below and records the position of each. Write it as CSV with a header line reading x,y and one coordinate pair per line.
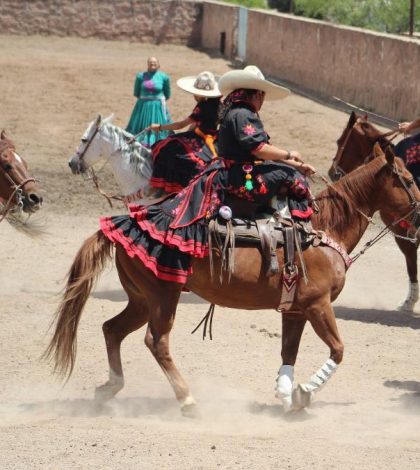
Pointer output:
x,y
355,147
344,211
18,190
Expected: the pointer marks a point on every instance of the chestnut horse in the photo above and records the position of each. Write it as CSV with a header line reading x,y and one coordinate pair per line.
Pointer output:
x,y
344,209
18,190
355,147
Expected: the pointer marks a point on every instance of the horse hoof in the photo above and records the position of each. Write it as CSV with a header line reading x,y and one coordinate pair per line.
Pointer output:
x,y
301,398
107,391
407,307
189,408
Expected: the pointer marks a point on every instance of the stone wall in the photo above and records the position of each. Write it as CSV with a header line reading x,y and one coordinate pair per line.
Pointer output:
x,y
157,21
378,72
375,71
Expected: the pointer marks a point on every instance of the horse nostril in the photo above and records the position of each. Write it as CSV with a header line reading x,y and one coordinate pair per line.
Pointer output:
x,y
35,199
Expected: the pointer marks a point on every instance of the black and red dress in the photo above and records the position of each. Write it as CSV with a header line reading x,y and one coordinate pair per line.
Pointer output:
x,y
165,236
409,150
180,157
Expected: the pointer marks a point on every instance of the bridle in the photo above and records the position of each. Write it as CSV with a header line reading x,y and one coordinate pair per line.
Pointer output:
x,y
94,177
411,218
387,136
15,200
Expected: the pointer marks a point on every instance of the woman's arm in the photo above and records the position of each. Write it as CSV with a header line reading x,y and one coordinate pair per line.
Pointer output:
x,y
293,158
137,85
173,126
407,127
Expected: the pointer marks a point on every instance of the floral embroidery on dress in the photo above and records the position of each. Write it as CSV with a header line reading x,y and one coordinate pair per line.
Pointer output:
x,y
149,85
413,155
249,129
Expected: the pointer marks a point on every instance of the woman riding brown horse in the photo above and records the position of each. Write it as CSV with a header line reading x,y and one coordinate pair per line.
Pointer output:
x,y
18,190
355,147
344,211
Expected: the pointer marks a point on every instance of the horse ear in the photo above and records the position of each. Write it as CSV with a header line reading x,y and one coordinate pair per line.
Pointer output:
x,y
366,116
352,119
109,118
389,155
3,135
98,120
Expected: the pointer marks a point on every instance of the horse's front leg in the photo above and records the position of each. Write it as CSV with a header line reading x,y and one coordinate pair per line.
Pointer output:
x,y
292,329
322,318
409,250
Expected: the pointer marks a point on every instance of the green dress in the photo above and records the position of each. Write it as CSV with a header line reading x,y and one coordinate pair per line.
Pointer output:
x,y
151,89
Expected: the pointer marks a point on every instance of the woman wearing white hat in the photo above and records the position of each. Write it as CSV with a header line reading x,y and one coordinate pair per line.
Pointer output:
x,y
166,236
258,170
179,157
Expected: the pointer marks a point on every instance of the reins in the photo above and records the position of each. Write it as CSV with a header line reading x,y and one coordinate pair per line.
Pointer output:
x,y
389,136
387,229
94,177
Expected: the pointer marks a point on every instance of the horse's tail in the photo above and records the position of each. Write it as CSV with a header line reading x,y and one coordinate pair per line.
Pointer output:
x,y
83,274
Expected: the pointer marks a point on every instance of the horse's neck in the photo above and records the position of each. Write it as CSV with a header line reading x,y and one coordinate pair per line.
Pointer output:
x,y
349,234
128,180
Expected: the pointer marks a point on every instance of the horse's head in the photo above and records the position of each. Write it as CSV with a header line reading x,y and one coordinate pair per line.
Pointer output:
x,y
89,150
355,145
398,199
17,187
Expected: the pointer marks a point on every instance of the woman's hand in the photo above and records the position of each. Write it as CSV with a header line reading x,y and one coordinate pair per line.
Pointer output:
x,y
404,127
306,169
154,127
295,155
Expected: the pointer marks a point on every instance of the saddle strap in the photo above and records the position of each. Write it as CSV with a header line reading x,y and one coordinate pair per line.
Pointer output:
x,y
290,272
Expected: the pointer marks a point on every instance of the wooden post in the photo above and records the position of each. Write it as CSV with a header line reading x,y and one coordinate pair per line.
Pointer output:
x,y
411,28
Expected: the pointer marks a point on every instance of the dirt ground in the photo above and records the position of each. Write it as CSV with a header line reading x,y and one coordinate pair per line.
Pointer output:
x,y
368,415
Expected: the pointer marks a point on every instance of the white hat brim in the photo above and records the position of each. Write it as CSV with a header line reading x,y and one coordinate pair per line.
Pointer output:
x,y
187,84
236,79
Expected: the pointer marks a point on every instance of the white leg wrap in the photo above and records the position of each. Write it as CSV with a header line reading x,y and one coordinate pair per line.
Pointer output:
x,y
413,295
320,378
284,386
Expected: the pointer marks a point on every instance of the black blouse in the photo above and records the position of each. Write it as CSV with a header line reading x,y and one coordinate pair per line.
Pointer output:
x,y
241,132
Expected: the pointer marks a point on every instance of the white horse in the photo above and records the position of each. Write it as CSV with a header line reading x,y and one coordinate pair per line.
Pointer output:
x,y
131,162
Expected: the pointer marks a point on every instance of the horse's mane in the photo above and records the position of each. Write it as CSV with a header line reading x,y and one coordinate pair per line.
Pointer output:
x,y
339,202
135,153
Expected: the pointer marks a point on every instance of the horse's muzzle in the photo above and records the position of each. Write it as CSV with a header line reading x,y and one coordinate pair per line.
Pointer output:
x,y
76,165
31,202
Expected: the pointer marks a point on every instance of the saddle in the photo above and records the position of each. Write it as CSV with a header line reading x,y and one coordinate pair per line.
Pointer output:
x,y
268,229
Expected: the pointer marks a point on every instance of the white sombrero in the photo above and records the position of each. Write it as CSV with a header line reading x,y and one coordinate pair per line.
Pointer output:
x,y
204,84
251,78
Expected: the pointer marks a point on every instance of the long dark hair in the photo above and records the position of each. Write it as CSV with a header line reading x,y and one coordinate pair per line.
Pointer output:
x,y
241,95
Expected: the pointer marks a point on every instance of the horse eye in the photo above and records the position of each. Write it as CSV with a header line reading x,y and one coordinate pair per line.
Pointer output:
x,y
84,140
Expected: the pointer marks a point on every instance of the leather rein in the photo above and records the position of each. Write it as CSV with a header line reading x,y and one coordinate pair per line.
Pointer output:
x,y
388,136
413,213
95,179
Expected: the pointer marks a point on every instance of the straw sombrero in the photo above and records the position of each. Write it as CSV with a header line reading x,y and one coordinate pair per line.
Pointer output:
x,y
251,78
204,84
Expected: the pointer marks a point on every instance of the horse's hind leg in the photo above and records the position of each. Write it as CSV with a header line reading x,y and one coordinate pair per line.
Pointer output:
x,y
133,317
409,250
322,318
162,316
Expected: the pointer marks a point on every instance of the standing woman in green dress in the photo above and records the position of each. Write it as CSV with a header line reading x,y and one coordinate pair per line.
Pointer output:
x,y
152,90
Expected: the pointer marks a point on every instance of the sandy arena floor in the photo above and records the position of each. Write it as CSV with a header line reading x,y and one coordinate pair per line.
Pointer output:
x,y
368,415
